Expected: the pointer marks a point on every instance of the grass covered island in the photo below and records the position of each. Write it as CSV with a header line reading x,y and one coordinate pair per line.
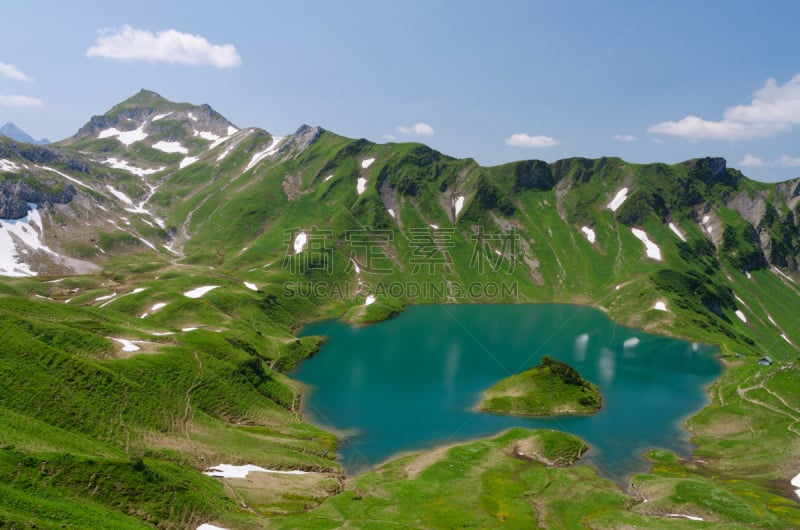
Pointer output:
x,y
548,389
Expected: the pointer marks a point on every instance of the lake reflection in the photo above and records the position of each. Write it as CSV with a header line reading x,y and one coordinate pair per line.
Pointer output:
x,y
411,383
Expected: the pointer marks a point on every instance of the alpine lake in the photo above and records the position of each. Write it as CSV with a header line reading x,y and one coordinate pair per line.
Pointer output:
x,y
412,382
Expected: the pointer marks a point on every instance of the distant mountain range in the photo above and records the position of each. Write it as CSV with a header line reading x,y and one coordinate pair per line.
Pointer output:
x,y
15,133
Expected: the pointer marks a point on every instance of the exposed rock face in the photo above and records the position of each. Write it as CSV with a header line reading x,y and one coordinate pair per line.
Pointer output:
x,y
709,169
43,155
533,175
15,196
750,207
304,136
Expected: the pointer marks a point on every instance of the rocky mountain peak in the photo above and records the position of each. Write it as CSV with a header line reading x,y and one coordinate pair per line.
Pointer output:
x,y
158,118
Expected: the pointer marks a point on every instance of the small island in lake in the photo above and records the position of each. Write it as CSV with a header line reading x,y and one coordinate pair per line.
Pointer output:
x,y
549,389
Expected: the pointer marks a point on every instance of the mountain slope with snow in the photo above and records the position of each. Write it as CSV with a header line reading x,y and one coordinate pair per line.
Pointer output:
x,y
155,267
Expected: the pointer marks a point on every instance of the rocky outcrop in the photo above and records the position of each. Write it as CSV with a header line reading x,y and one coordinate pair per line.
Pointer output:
x,y
304,136
533,175
42,155
144,106
709,169
16,194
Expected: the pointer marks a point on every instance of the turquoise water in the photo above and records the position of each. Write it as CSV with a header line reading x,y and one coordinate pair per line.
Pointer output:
x,y
411,383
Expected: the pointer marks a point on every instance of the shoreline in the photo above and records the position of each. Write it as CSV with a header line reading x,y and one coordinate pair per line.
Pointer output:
x,y
681,423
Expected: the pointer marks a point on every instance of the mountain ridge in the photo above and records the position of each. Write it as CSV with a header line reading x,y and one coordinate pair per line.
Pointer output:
x,y
200,250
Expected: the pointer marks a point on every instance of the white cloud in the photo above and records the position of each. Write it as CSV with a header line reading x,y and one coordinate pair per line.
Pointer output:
x,y
787,161
624,137
10,71
525,140
695,128
757,161
15,100
390,137
751,161
420,129
658,141
773,104
171,46
774,109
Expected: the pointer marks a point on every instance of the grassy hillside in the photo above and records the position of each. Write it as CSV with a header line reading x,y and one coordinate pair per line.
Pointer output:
x,y
118,389
550,388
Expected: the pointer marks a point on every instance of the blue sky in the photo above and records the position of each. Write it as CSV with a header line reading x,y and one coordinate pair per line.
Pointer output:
x,y
647,81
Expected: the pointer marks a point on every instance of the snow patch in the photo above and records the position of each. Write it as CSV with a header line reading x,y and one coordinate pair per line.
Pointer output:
x,y
706,221
156,307
251,286
29,232
76,181
618,199
391,212
106,297
199,291
748,275
435,227
367,162
170,147
127,345
232,130
784,337
796,483
230,471
370,300
207,135
361,185
459,204
660,306
225,153
125,137
589,233
300,242
216,139
8,165
161,116
677,232
328,177
271,150
189,160
741,316
191,116
209,526
769,317
119,195
653,250
690,517
776,270
186,330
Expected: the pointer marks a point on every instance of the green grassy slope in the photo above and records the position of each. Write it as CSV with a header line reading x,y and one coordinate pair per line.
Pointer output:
x,y
550,388
103,437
